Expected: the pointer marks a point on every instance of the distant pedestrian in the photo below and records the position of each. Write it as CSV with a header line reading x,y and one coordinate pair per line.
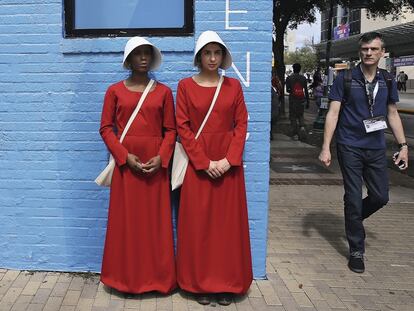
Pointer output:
x,y
402,81
317,86
359,107
277,95
297,87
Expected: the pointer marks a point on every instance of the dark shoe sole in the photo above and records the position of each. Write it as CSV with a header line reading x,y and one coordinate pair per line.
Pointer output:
x,y
356,270
203,300
224,300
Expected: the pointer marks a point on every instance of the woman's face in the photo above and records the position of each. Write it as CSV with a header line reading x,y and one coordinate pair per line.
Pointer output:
x,y
211,57
140,59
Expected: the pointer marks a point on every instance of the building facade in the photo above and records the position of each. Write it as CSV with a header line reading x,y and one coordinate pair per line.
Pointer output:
x,y
348,25
53,216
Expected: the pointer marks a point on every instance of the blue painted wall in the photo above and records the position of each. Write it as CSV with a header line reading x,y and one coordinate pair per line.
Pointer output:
x,y
52,215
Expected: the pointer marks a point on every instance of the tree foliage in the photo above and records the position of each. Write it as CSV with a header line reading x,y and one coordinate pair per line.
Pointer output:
x,y
305,56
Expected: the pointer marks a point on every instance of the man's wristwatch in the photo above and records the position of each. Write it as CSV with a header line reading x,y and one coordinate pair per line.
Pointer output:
x,y
404,144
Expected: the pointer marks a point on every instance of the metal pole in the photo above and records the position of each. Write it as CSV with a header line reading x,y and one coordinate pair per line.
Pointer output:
x,y
328,44
320,118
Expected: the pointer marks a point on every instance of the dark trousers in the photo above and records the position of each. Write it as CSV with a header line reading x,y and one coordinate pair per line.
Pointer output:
x,y
296,110
404,86
362,165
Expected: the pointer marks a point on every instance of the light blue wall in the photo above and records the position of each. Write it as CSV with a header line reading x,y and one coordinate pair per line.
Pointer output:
x,y
52,215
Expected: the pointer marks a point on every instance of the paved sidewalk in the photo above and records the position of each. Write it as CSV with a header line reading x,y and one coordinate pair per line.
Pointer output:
x,y
306,253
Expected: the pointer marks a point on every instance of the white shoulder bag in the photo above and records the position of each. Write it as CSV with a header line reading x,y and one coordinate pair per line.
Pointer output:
x,y
180,160
105,177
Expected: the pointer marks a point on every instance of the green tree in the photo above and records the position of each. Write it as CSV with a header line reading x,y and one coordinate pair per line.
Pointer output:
x,y
305,56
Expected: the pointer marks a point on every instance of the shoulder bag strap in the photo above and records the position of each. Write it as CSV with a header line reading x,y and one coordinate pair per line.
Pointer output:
x,y
211,106
137,108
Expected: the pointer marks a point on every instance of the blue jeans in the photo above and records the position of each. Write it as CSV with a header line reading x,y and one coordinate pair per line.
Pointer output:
x,y
358,165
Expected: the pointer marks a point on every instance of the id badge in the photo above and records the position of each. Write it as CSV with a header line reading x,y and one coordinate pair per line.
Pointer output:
x,y
375,124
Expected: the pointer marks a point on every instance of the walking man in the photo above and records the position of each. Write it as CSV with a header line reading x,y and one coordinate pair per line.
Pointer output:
x,y
358,113
297,87
402,80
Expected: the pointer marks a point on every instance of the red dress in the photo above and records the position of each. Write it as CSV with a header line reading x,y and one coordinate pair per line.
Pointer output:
x,y
213,247
139,252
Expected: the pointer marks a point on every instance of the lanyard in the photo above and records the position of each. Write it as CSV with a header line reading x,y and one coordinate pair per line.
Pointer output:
x,y
371,92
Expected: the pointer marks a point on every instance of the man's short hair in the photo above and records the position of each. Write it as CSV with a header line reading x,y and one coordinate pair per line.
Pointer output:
x,y
369,36
296,67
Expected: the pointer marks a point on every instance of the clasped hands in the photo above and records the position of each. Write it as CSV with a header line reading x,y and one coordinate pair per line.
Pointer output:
x,y
218,168
135,164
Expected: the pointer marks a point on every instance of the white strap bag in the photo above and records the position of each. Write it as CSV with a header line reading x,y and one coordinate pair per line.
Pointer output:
x,y
105,177
180,160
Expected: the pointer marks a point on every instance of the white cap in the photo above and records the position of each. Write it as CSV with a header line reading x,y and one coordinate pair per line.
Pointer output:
x,y
210,36
135,42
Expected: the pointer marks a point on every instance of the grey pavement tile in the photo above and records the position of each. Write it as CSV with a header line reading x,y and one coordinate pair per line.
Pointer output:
x,y
21,280
84,304
242,303
53,303
289,304
77,283
333,300
164,302
38,276
11,275
367,302
260,304
353,306
23,299
31,288
11,295
282,291
302,300
60,289
65,277
343,294
322,305
41,296
35,307
49,281
133,303
71,298
4,286
254,291
312,293
90,290
6,305
116,305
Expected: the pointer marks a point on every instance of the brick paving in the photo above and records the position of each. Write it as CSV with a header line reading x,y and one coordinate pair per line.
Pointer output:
x,y
306,261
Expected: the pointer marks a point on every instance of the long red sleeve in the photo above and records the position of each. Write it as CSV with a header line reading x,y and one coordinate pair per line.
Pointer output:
x,y
235,151
192,147
168,123
119,152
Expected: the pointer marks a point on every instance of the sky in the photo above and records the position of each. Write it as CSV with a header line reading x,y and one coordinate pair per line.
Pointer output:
x,y
306,31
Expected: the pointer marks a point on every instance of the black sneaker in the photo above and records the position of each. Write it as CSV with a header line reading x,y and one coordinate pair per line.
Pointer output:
x,y
356,263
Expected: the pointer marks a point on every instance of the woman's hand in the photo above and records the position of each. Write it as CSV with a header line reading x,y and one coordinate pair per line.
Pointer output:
x,y
223,165
213,171
152,165
134,163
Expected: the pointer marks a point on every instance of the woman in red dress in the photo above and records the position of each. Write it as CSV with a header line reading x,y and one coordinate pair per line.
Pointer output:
x,y
139,253
213,248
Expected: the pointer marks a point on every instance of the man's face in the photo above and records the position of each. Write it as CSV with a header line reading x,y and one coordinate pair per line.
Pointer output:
x,y
371,52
